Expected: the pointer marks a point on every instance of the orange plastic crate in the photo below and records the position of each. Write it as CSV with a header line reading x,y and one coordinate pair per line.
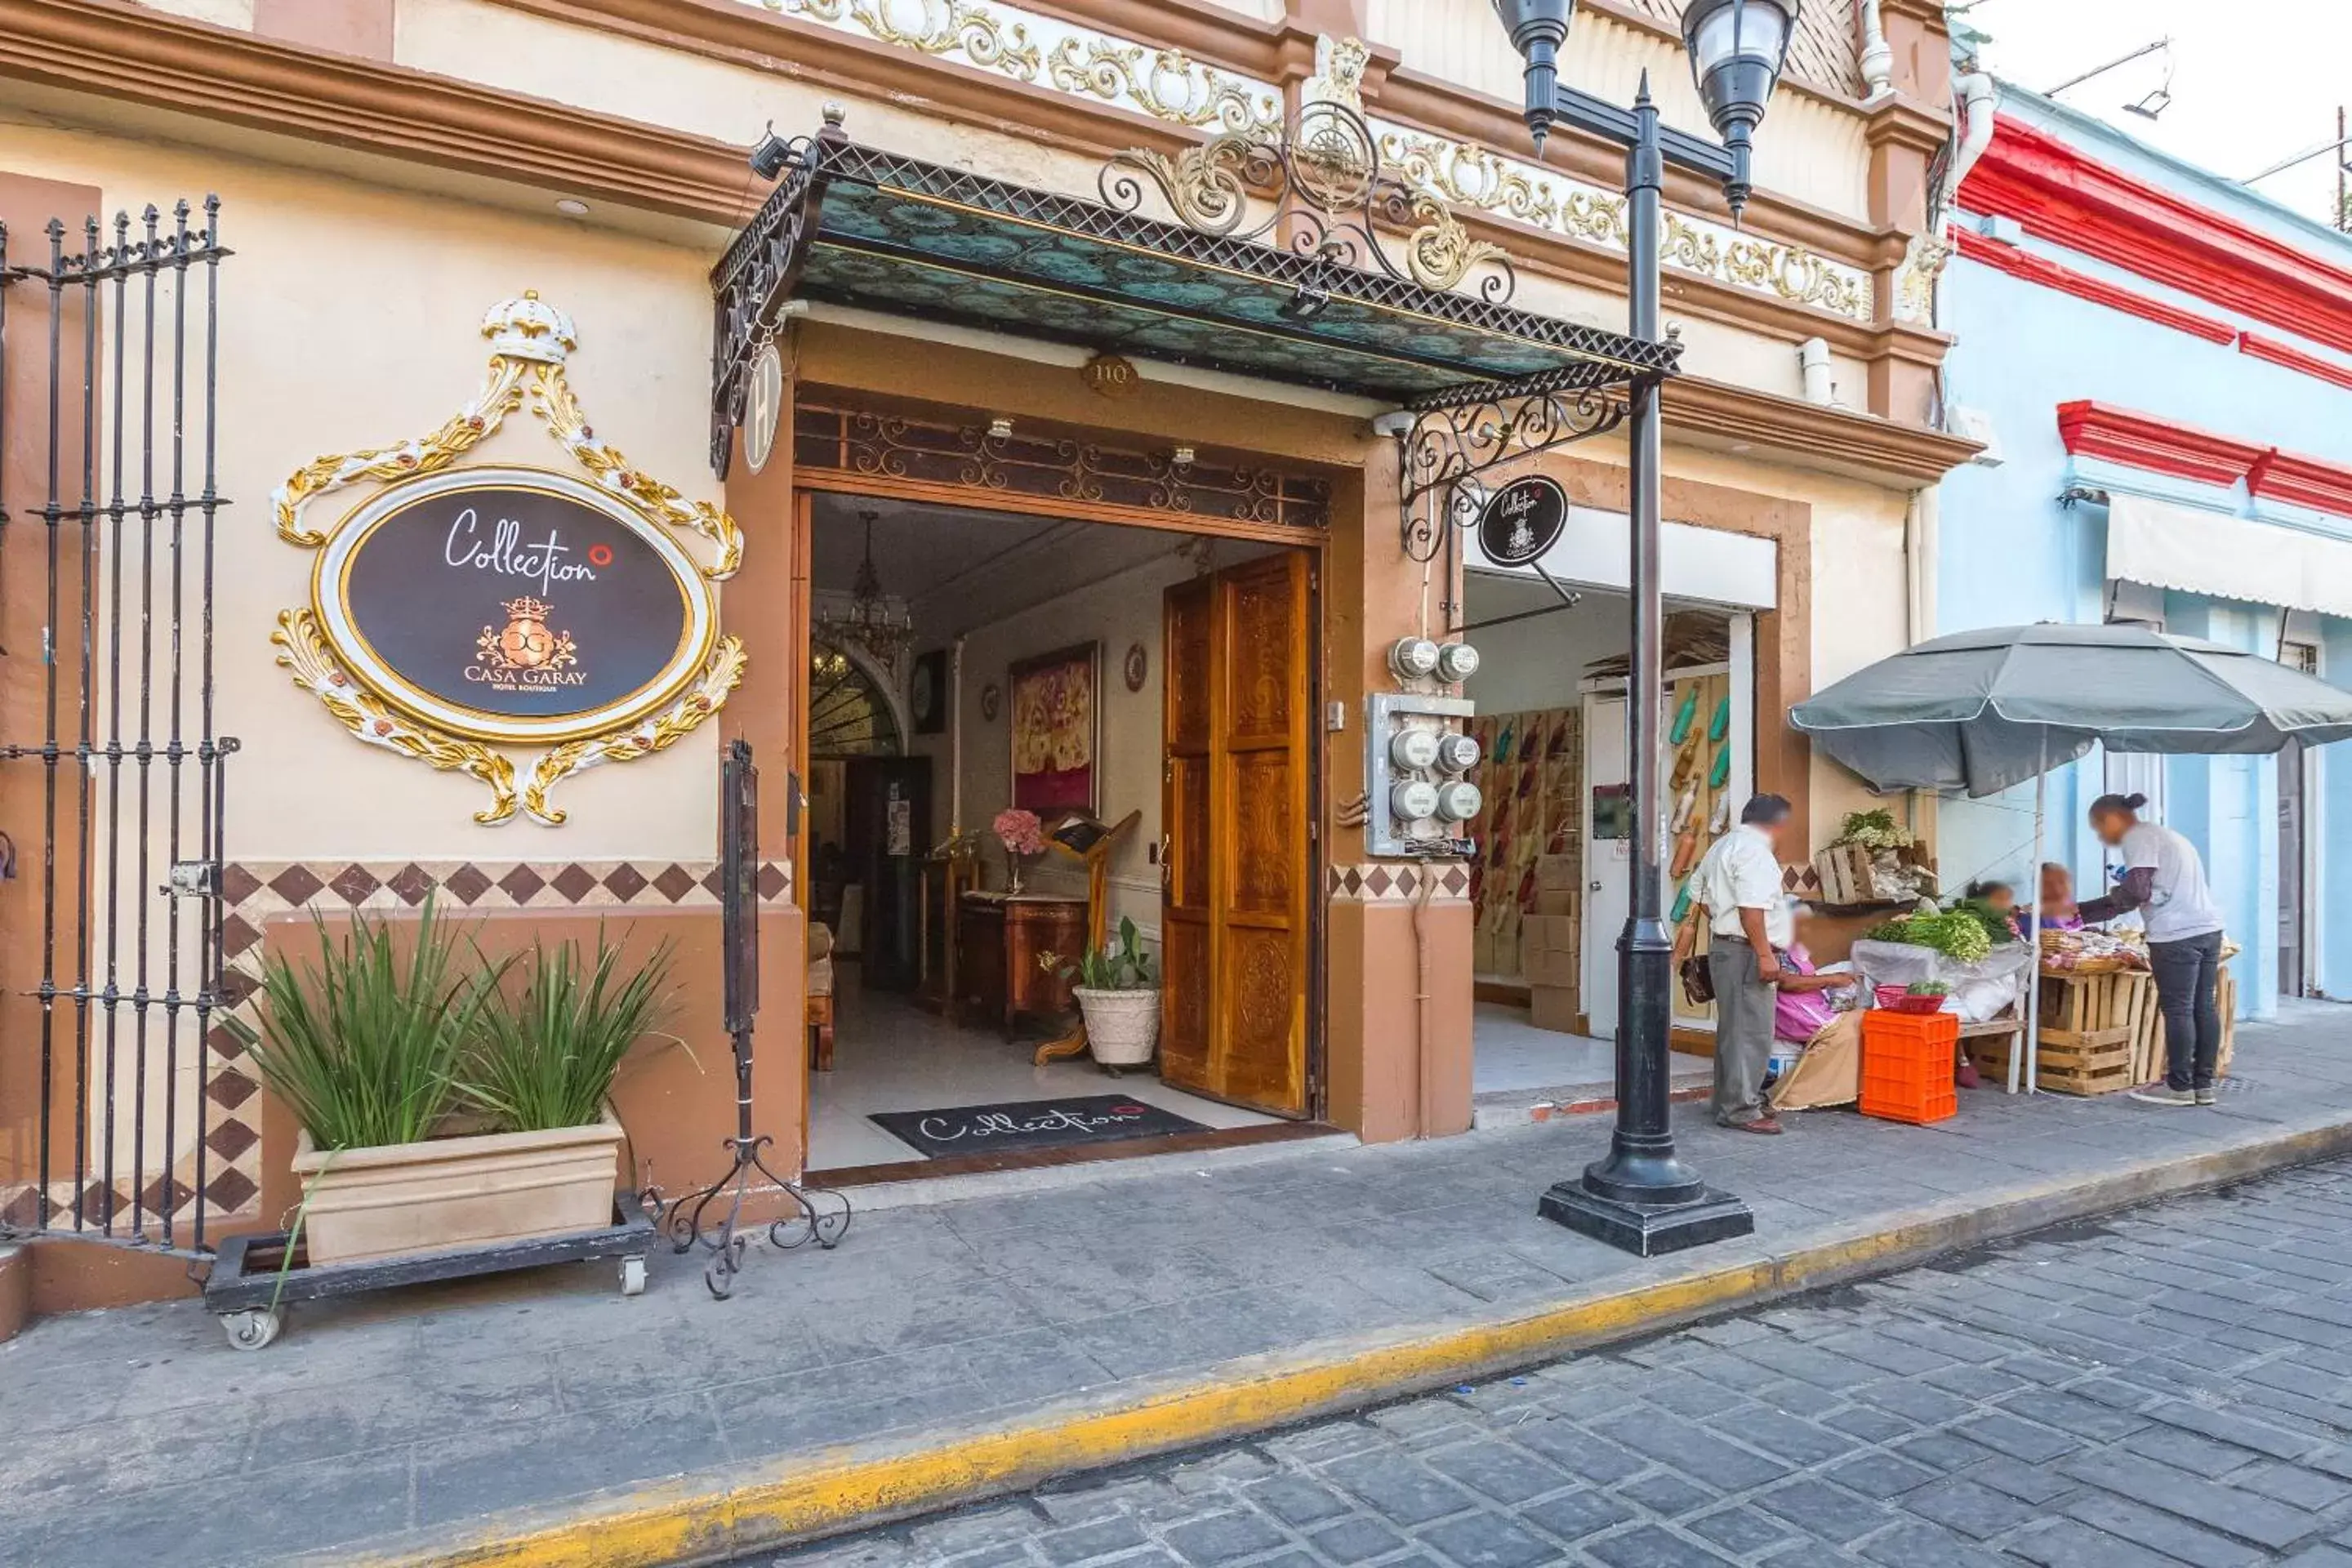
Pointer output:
x,y
1906,1066
1884,1030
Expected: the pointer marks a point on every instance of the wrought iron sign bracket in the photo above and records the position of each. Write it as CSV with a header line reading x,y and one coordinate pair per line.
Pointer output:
x,y
760,273
1446,441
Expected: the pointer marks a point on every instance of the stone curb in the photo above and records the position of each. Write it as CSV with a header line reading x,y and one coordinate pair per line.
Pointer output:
x,y
714,1517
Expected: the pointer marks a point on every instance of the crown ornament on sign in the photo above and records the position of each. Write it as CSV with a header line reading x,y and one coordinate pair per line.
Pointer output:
x,y
528,328
530,609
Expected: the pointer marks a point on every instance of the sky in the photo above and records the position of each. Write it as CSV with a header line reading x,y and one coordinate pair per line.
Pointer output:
x,y
2252,82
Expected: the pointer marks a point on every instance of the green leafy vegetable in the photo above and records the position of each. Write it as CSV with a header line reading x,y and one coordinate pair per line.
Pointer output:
x,y
1954,933
1872,830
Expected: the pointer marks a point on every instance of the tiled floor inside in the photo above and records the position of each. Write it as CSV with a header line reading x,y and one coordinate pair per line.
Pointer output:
x,y
891,1055
1511,1056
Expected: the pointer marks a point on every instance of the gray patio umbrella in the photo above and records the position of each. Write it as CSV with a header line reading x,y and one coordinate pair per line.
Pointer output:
x,y
1982,710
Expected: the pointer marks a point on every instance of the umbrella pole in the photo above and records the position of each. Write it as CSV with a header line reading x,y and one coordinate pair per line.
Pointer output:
x,y
2033,935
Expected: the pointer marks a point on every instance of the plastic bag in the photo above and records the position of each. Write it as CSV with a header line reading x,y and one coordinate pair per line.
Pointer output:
x,y
1981,991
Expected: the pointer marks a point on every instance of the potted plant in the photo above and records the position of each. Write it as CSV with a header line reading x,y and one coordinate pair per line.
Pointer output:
x,y
435,1112
1120,1000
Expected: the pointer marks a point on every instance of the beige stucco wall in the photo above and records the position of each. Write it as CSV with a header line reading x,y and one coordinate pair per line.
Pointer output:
x,y
350,317
1858,588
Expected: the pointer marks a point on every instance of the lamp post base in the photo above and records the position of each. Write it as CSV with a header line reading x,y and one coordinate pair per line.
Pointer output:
x,y
1648,1230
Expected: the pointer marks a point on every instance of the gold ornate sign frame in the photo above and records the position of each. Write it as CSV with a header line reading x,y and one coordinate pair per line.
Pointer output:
x,y
530,342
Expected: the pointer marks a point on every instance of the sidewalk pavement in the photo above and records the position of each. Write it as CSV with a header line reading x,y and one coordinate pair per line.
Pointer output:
x,y
966,1349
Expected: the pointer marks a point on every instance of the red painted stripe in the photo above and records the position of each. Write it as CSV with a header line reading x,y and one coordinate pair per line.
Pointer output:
x,y
2055,192
2293,358
2144,441
2032,269
2159,446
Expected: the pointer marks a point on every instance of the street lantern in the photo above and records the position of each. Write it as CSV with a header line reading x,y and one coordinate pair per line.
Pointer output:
x,y
1538,29
1643,1197
1737,48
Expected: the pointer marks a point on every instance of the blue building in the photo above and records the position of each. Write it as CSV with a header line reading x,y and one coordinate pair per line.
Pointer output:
x,y
2162,361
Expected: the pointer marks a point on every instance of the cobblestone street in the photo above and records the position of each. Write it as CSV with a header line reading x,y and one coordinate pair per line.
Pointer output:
x,y
2171,1385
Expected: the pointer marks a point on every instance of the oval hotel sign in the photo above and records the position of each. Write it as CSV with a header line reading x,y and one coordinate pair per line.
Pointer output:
x,y
513,604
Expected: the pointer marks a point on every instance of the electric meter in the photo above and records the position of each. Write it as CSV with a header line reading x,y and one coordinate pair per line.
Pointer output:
x,y
1458,801
1456,752
1414,658
1413,800
1456,662
1416,749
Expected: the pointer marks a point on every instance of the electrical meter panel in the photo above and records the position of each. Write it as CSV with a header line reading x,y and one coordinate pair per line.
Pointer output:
x,y
1419,795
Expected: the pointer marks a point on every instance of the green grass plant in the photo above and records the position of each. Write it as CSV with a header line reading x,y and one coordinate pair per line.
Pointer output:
x,y
548,1059
363,1045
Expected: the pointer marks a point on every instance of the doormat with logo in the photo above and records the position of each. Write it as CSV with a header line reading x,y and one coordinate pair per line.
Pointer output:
x,y
1030,1124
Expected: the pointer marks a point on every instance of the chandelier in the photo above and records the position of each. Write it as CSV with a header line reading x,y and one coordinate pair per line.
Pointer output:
x,y
869,622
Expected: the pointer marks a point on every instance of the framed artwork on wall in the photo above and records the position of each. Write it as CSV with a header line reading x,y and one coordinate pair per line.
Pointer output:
x,y
927,693
1056,729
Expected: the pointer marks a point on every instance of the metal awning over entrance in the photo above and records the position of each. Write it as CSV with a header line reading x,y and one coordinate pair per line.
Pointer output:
x,y
855,226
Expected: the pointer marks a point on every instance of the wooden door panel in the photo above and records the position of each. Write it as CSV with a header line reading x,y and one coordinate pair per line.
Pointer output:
x,y
1264,874
1186,1028
1263,1059
1187,923
1186,668
1262,646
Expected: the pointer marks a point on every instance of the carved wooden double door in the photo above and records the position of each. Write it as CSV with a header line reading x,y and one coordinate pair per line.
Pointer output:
x,y
1237,922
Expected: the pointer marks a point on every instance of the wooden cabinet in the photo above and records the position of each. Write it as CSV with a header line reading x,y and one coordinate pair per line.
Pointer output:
x,y
998,941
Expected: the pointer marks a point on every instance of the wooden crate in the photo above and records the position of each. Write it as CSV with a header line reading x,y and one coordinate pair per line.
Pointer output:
x,y
2122,1005
2084,1063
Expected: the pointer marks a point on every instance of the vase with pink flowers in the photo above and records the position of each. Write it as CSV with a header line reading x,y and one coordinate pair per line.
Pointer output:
x,y
1022,836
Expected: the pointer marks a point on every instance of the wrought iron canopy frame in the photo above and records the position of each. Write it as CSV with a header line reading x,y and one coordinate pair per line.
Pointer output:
x,y
1457,435
859,226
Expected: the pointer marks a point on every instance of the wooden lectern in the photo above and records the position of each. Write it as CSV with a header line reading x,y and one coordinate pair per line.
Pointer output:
x,y
1087,839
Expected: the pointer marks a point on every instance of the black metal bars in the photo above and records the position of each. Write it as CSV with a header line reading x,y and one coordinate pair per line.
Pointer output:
x,y
119,723
815,1213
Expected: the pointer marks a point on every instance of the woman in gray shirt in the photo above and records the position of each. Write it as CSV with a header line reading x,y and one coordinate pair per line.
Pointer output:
x,y
2164,879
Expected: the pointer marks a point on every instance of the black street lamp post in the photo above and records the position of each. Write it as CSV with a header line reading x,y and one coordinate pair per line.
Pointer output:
x,y
1641,1197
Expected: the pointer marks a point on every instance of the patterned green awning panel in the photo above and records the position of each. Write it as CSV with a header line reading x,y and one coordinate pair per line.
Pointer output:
x,y
901,236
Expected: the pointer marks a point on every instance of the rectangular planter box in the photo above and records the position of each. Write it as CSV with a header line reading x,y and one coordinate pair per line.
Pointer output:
x,y
457,1191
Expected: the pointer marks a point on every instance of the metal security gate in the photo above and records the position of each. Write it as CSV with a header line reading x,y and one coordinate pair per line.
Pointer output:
x,y
111,771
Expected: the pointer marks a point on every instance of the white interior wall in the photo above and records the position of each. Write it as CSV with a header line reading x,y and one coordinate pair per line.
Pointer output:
x,y
1118,613
1537,663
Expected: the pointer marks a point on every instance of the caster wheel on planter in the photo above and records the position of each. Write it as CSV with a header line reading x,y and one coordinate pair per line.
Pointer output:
x,y
632,1276
252,1329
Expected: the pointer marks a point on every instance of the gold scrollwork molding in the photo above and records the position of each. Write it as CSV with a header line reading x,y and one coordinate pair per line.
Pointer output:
x,y
402,642
1046,51
1473,177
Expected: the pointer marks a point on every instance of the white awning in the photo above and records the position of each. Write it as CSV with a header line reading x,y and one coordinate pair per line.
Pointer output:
x,y
1705,564
2168,546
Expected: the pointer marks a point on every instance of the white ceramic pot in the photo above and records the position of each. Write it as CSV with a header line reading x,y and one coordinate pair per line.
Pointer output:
x,y
1122,1027
457,1191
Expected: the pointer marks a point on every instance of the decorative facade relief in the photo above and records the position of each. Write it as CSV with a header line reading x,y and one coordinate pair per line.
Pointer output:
x,y
1467,175
1914,285
1045,52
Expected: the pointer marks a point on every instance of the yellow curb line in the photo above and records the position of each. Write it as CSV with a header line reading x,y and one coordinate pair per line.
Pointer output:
x,y
662,1526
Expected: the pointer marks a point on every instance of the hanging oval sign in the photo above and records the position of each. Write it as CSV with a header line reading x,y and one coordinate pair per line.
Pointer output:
x,y
1522,520
511,604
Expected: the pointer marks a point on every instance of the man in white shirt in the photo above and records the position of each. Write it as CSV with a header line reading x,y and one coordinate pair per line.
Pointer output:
x,y
1739,883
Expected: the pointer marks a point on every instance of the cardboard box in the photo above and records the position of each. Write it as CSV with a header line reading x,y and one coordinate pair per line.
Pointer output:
x,y
1552,1008
1552,966
1560,872
1550,933
1559,902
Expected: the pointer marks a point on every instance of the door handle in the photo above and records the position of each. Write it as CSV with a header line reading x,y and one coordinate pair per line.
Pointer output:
x,y
1593,886
1167,878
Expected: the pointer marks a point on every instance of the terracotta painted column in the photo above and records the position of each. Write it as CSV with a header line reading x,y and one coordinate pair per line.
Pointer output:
x,y
766,605
1398,1035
